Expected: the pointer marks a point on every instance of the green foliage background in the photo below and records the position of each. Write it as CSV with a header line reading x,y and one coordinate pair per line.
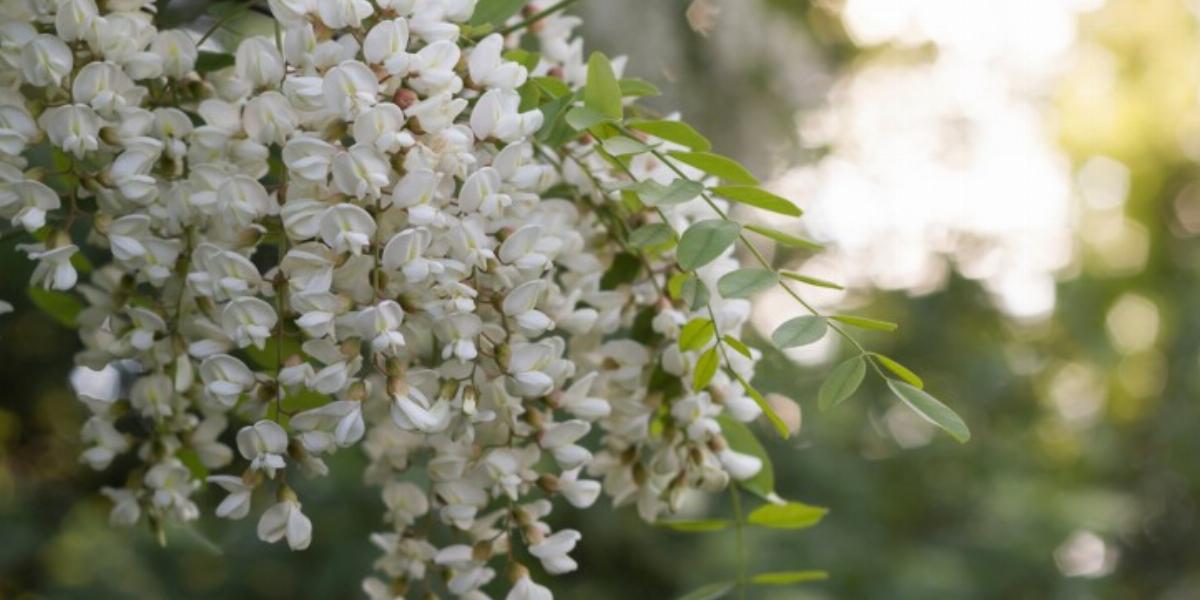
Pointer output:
x,y
939,521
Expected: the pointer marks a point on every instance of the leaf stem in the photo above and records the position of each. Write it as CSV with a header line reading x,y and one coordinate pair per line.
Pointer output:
x,y
739,539
538,16
225,18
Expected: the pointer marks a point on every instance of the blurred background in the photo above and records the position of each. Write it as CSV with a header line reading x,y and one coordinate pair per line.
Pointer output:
x,y
1014,181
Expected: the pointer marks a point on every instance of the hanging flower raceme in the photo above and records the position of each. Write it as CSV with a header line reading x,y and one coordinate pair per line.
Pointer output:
x,y
394,227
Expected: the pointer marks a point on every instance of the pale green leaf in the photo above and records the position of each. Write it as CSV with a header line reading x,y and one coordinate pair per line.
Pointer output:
x,y
60,306
737,344
865,323
602,93
810,280
674,131
759,198
716,165
706,368
619,145
704,241
930,409
842,382
767,409
696,334
695,525
638,87
651,235
495,12
788,577
744,283
786,239
799,331
582,117
900,370
694,293
793,515
741,439
712,591
653,193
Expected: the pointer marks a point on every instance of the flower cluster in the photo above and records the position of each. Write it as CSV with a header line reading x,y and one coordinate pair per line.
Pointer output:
x,y
354,235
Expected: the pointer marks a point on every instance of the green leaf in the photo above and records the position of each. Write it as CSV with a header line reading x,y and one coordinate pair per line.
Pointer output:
x,y
60,306
799,331
786,239
695,293
555,130
788,577
581,118
624,269
741,439
793,515
212,61
865,323
757,197
768,410
842,382
495,12
638,87
620,145
716,165
653,193
737,344
675,284
696,334
267,358
744,283
674,131
191,460
704,241
930,409
711,591
525,58
900,370
696,526
602,93
706,368
652,235
810,280
552,86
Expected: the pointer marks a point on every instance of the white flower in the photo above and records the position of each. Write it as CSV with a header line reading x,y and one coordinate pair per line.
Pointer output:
x,y
269,118
404,252
172,485
362,172
242,200
437,112
74,128
126,510
487,69
413,410
526,589
387,44
496,115
338,423
225,378
553,551
405,502
106,88
284,519
382,126
560,439
263,444
740,466
347,228
26,202
258,62
434,66
349,89
74,18
308,158
248,320
177,51
580,493
54,269
236,504
45,61
380,324
337,14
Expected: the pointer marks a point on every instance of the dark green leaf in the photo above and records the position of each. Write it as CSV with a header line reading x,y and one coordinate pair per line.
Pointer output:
x,y
757,197
799,331
712,591
603,93
212,61
706,368
704,241
60,306
495,12
842,382
930,409
624,269
674,131
900,370
717,166
793,515
744,283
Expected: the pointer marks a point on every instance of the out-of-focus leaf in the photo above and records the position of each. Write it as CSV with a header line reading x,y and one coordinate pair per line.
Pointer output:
x,y
602,93
60,306
788,577
652,235
716,165
799,331
793,515
653,193
704,241
786,239
759,198
673,131
495,12
696,526
900,370
744,283
706,368
711,591
741,439
930,409
865,323
696,334
841,383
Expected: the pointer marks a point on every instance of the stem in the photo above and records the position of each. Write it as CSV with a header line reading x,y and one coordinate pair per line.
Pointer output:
x,y
237,10
736,500
537,16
